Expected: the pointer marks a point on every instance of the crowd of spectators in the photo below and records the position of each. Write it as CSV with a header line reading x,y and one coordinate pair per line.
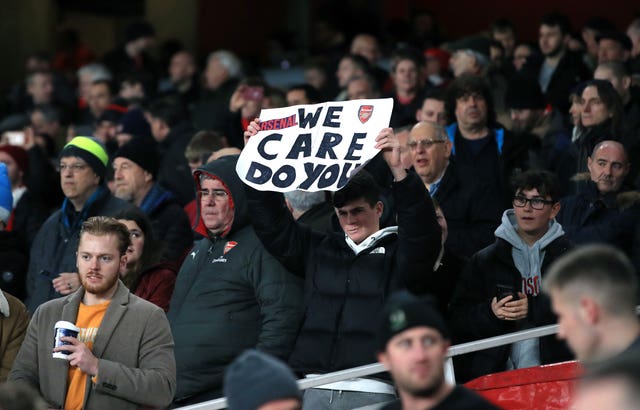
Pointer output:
x,y
501,156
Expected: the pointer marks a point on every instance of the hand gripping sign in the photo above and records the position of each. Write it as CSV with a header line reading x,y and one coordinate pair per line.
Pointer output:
x,y
313,147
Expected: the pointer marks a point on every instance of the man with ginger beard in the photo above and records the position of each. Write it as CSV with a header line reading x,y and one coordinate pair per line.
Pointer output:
x,y
99,373
413,340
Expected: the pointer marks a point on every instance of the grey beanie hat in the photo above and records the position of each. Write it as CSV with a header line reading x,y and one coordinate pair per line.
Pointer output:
x,y
255,378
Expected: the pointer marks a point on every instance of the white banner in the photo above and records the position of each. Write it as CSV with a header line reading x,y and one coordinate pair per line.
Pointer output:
x,y
313,147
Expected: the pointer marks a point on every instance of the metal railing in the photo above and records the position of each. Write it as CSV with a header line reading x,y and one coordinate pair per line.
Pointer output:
x,y
375,368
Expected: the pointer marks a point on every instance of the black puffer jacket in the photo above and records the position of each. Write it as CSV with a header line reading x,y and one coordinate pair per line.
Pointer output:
x,y
345,291
230,295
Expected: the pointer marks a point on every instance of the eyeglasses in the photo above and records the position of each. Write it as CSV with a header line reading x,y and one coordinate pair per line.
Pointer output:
x,y
536,203
73,167
426,144
218,194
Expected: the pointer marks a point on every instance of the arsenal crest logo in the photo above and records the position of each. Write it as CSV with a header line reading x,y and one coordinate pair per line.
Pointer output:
x,y
228,246
364,113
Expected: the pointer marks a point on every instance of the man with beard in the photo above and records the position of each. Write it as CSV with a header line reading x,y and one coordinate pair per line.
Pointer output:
x,y
135,167
413,340
122,357
560,69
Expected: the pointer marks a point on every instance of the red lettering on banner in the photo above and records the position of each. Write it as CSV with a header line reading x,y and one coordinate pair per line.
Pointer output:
x,y
279,123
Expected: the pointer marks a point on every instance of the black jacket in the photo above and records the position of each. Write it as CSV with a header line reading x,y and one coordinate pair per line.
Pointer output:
x,y
13,265
471,317
28,217
174,173
472,199
344,291
230,295
589,138
460,398
569,72
589,217
170,223
472,211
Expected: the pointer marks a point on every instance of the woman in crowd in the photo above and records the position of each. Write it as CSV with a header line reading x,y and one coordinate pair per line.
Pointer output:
x,y
147,276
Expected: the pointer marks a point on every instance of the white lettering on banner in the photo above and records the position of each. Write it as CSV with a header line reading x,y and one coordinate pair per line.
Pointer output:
x,y
313,147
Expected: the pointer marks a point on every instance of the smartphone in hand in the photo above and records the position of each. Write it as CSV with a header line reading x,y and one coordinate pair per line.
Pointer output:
x,y
502,291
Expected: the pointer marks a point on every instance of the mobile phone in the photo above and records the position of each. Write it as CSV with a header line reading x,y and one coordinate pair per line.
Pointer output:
x,y
502,291
253,93
15,137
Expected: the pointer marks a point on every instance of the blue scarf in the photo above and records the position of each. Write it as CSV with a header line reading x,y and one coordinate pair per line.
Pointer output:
x,y
156,196
71,219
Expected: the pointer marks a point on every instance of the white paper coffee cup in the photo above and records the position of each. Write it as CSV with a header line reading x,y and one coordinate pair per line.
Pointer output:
x,y
63,328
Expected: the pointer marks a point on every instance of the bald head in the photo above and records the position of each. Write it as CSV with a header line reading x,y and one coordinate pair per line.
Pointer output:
x,y
608,166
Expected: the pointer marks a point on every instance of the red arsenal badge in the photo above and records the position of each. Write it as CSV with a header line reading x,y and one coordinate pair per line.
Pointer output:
x,y
228,246
364,113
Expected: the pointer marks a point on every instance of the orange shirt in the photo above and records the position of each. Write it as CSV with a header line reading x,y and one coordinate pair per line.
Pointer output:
x,y
88,320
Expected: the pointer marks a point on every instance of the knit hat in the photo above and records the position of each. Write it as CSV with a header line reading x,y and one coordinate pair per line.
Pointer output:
x,y
6,198
18,154
524,92
134,123
256,378
143,152
404,311
91,150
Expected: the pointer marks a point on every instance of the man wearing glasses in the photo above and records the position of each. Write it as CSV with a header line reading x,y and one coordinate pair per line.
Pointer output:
x,y
472,212
231,294
500,289
52,267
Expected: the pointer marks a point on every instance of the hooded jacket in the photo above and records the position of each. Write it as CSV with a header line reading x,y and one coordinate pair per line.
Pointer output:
x,y
345,286
508,261
230,295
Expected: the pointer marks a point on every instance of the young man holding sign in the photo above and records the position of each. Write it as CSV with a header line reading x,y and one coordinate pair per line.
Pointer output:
x,y
348,275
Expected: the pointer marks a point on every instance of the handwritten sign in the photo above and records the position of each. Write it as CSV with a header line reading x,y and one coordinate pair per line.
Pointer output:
x,y
313,147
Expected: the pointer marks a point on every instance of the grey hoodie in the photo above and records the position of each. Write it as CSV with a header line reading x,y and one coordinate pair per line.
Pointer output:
x,y
528,260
